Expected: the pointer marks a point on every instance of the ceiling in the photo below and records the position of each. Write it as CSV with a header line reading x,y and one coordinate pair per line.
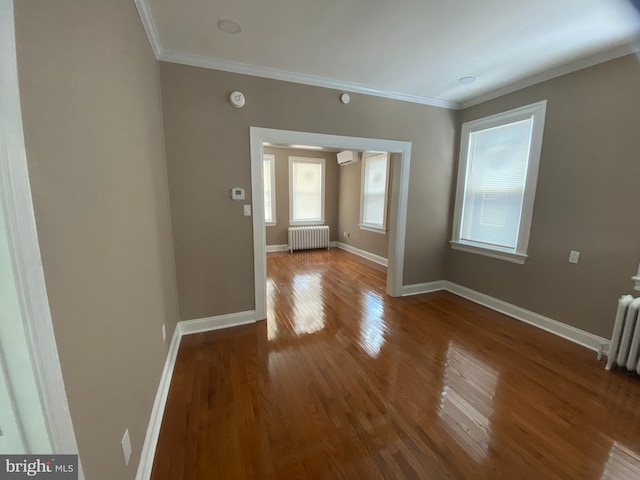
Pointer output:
x,y
414,50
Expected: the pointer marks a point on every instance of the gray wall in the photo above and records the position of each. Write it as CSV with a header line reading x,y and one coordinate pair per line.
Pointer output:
x,y
349,212
587,200
277,234
92,118
207,143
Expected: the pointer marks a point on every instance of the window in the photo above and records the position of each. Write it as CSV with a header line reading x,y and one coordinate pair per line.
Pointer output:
x,y
373,200
497,175
306,190
268,174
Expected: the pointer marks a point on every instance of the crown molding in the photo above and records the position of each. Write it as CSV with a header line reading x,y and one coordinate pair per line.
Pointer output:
x,y
582,63
149,26
275,74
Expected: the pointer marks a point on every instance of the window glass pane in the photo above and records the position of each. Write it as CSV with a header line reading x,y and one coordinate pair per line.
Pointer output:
x,y
496,175
307,191
266,169
374,190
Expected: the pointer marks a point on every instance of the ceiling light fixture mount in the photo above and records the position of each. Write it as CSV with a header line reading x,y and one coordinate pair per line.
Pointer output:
x,y
465,80
229,26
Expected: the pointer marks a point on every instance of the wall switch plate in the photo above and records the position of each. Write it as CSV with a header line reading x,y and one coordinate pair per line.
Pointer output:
x,y
126,447
247,210
574,256
164,334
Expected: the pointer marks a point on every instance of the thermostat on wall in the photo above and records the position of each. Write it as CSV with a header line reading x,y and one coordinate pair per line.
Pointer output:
x,y
237,193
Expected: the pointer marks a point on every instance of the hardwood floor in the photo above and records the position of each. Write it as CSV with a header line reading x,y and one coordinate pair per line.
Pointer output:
x,y
343,381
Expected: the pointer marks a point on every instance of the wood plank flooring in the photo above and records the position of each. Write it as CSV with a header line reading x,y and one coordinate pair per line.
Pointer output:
x,y
344,382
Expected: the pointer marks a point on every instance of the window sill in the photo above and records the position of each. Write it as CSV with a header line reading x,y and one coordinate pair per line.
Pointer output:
x,y
270,224
519,258
373,229
293,223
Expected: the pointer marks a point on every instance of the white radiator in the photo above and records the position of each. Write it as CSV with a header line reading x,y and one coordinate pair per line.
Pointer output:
x,y
303,238
625,341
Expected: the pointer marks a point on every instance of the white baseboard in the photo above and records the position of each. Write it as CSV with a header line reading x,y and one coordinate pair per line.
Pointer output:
x,y
573,334
427,287
157,412
285,248
277,248
369,256
187,327
586,339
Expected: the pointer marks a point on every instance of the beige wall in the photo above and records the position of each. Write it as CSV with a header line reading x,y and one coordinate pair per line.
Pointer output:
x,y
93,131
349,212
277,234
207,142
587,200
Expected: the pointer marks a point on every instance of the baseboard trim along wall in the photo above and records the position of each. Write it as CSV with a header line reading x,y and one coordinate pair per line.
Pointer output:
x,y
186,327
157,412
419,288
369,256
573,334
277,248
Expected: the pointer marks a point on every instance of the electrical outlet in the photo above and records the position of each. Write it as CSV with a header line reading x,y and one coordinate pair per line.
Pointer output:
x,y
164,334
126,447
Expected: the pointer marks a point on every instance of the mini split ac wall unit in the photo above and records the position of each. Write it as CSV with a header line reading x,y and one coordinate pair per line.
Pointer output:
x,y
348,156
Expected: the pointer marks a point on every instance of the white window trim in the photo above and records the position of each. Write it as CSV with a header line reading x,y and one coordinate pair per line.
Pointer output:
x,y
321,162
369,226
272,176
519,254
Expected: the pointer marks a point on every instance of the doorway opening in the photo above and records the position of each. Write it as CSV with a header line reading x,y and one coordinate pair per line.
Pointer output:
x,y
399,151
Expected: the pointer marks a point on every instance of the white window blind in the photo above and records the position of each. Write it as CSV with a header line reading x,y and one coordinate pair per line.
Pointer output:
x,y
306,178
268,170
496,177
374,191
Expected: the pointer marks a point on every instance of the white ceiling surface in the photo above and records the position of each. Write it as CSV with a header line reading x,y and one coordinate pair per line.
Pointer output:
x,y
417,48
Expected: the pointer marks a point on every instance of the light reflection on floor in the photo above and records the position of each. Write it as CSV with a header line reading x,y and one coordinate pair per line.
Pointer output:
x,y
308,303
466,400
272,324
372,324
621,463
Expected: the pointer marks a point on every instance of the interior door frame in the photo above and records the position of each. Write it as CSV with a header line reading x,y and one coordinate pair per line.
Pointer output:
x,y
397,211
24,249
